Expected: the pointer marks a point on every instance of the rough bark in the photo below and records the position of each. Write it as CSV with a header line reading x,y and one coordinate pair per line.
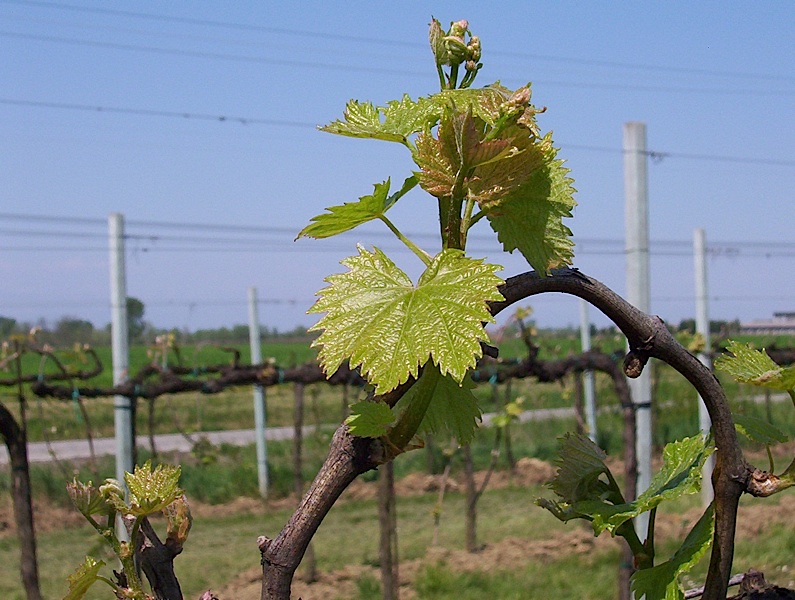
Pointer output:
x,y
298,469
471,499
388,546
16,442
348,458
157,562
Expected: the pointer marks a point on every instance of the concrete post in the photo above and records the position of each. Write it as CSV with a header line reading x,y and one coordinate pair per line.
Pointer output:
x,y
588,376
120,345
259,393
636,195
122,406
702,328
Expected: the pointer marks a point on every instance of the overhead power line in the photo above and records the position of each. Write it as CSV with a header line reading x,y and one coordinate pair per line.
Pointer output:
x,y
380,69
655,155
212,55
145,112
181,226
330,35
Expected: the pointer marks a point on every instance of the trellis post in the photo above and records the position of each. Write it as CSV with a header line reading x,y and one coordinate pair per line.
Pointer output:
x,y
636,213
588,376
122,405
258,392
702,328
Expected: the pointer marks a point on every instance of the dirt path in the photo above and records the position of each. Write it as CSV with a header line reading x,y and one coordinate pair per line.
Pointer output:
x,y
509,554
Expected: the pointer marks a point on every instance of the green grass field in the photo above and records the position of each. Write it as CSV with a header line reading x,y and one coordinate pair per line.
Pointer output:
x,y
220,475
223,545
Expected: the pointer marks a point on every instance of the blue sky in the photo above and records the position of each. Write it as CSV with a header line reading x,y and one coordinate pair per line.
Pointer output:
x,y
91,95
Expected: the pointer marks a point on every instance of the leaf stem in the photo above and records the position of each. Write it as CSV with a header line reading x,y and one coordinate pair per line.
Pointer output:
x,y
477,217
118,590
770,458
627,531
410,420
465,222
423,256
649,543
442,82
792,395
453,82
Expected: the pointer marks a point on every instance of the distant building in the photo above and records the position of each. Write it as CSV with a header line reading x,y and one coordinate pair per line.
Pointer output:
x,y
782,323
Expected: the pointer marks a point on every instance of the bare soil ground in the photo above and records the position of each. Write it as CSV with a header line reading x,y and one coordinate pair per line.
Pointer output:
x,y
508,554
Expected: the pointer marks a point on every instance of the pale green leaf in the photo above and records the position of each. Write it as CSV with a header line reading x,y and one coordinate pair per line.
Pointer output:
x,y
83,578
343,218
151,490
377,318
661,582
370,419
748,365
393,123
529,218
487,103
679,475
758,430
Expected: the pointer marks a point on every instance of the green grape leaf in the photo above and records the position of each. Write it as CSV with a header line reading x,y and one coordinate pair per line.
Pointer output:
x,y
494,104
437,403
83,578
151,490
758,430
392,123
370,419
529,217
756,367
377,318
581,471
453,409
679,475
661,582
343,218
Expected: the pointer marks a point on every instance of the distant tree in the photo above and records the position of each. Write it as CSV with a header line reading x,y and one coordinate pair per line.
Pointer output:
x,y
240,333
718,327
688,326
70,330
7,326
135,318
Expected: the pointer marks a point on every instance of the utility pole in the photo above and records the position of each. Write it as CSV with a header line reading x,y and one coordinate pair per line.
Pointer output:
x,y
636,212
588,376
259,394
702,328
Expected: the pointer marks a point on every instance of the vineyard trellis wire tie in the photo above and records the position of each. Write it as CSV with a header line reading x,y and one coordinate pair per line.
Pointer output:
x,y
639,405
280,373
76,404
